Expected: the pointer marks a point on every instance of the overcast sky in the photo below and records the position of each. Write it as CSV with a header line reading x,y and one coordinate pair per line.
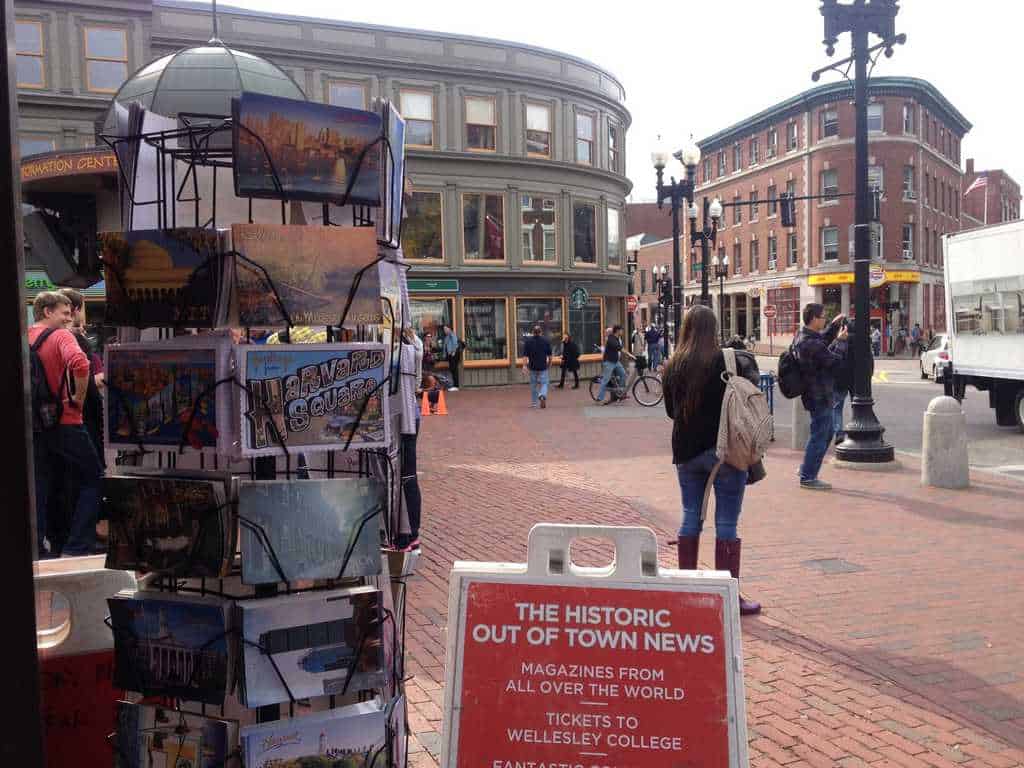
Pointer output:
x,y
696,67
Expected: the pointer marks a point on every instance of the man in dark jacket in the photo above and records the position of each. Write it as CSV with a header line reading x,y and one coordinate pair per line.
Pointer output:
x,y
570,361
820,351
537,361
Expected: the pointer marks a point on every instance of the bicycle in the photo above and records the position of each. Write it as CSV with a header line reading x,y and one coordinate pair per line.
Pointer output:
x,y
646,388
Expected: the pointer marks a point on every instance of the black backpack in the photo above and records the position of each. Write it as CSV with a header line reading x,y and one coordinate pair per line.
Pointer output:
x,y
47,408
791,378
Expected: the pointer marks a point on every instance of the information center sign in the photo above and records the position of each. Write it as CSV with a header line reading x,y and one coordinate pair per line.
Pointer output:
x,y
593,667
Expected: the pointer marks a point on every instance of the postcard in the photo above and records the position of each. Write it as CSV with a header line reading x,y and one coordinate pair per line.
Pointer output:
x,y
168,524
321,643
313,529
390,224
313,397
173,646
170,393
301,150
150,736
163,277
306,275
355,736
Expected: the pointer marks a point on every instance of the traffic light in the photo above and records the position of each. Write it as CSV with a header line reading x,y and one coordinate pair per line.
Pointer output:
x,y
666,291
788,206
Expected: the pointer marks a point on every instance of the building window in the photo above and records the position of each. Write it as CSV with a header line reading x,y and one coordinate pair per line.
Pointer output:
x,y
830,244
773,200
538,130
737,258
829,123
737,157
773,142
755,151
422,237
875,240
928,189
614,233
643,281
737,210
876,178
830,184
430,315
753,206
417,107
773,252
927,130
876,117
539,228
791,249
909,191
484,329
31,61
584,138
942,197
927,245
585,326
547,313
956,208
34,145
721,162
483,227
908,242
792,136
342,93
106,58
584,236
787,307
908,118
613,147
939,308
755,256
481,123
707,169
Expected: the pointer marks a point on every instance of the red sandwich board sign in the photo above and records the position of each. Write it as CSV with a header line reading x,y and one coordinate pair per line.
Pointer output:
x,y
553,664
632,303
770,311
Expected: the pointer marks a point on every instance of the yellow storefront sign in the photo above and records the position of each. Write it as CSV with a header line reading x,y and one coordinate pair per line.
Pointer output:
x,y
844,278
833,278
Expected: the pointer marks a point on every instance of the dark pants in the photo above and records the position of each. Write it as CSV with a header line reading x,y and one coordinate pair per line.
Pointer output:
x,y
453,366
817,442
411,484
69,449
575,374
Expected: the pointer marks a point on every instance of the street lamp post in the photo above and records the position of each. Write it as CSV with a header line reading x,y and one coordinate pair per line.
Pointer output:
x,y
721,272
664,300
707,235
864,442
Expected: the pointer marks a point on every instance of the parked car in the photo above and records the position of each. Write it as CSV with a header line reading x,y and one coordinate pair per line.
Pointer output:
x,y
935,357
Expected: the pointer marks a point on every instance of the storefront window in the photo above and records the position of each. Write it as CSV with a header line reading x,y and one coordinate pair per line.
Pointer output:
x,y
422,237
484,329
614,241
544,312
585,326
483,227
832,298
583,234
539,229
787,306
428,315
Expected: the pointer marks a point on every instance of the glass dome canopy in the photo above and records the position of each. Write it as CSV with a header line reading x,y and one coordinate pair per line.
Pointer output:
x,y
201,80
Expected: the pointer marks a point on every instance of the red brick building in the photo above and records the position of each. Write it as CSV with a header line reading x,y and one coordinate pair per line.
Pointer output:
x,y
805,146
994,201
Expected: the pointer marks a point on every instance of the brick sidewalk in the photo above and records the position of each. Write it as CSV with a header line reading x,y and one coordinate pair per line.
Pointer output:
x,y
891,629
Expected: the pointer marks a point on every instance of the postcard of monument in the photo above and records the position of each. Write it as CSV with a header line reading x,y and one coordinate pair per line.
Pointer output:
x,y
149,736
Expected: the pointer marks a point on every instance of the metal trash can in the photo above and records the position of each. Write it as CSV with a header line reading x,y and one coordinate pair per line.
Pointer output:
x,y
768,387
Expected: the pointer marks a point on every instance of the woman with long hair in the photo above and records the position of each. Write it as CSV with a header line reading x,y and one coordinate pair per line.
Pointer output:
x,y
694,389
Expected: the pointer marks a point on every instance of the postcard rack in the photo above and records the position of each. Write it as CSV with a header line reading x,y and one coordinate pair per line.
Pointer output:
x,y
188,163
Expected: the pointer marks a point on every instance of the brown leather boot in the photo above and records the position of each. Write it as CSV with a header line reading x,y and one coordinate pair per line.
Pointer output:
x,y
727,558
688,547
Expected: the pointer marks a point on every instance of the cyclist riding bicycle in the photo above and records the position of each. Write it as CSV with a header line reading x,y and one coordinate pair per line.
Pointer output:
x,y
610,366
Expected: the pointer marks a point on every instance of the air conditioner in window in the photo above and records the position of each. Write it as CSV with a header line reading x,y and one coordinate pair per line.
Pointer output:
x,y
910,195
908,255
771,265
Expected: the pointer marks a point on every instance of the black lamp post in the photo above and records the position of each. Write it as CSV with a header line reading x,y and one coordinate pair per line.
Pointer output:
x,y
664,283
721,272
864,442
707,235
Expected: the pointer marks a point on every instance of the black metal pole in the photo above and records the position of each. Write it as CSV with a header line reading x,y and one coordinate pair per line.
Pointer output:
x,y
864,441
677,269
721,302
22,742
705,256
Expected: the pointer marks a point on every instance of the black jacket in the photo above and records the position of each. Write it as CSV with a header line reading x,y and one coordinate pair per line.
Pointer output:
x,y
701,432
571,356
820,356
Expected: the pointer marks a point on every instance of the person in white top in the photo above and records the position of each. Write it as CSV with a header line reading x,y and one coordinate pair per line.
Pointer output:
x,y
410,366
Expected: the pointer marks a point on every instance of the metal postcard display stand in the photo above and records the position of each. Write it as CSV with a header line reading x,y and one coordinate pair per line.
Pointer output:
x,y
201,144
624,665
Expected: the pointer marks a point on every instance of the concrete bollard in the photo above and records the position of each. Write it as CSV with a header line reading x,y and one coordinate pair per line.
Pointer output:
x,y
944,445
801,426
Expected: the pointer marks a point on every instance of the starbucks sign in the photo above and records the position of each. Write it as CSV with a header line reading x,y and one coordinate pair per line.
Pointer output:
x,y
578,297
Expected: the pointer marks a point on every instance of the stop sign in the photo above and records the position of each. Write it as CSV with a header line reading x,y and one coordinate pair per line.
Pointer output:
x,y
631,304
770,311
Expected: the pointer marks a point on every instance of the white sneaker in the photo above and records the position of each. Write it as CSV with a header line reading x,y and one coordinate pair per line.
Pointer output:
x,y
453,389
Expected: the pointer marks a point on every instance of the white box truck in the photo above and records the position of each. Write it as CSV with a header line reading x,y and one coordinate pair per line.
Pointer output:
x,y
985,315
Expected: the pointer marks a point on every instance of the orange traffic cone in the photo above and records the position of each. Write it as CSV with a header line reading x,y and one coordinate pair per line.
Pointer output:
x,y
442,409
425,405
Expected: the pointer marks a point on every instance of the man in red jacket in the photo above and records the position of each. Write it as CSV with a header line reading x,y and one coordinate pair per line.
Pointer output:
x,y
69,441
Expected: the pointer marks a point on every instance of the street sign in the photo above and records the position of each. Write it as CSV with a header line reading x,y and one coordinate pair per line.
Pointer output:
x,y
578,297
876,276
770,312
418,285
550,663
632,302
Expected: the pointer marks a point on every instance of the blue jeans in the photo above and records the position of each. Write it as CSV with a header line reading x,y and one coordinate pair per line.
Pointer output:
x,y
837,413
607,369
538,385
73,445
817,443
730,483
653,356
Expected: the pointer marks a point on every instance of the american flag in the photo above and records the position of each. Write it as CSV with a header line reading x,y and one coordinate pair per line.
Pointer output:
x,y
978,183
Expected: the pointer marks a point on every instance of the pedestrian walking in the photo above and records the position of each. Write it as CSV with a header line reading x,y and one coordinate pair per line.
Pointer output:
x,y
411,370
452,346
653,338
820,348
537,361
570,362
916,336
694,388
876,341
611,363
59,437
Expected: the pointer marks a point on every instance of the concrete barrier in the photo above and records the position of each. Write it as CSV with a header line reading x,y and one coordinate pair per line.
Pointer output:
x,y
944,445
801,426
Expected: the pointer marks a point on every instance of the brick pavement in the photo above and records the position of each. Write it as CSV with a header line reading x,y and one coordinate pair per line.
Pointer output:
x,y
891,630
